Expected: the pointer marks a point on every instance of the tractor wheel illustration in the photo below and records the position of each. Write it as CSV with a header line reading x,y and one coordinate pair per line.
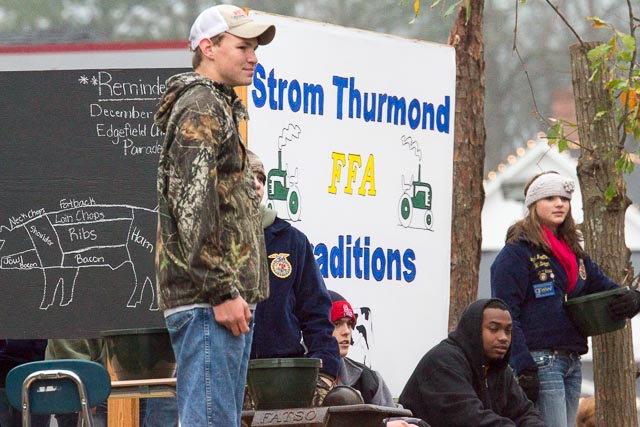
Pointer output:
x,y
293,203
428,219
405,210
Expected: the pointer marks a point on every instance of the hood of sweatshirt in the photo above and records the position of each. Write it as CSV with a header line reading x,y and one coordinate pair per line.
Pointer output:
x,y
468,336
179,84
268,216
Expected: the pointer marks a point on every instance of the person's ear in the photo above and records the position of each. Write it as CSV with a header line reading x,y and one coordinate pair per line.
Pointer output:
x,y
206,46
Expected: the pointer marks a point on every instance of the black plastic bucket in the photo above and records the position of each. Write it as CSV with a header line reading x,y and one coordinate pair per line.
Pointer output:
x,y
137,354
282,383
590,313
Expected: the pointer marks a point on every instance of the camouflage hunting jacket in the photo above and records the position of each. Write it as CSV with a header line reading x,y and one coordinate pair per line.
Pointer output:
x,y
210,244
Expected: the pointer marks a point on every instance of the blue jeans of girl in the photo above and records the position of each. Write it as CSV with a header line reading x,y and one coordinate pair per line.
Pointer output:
x,y
560,375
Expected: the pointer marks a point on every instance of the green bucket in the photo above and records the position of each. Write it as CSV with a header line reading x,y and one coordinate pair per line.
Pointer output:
x,y
590,313
282,383
139,354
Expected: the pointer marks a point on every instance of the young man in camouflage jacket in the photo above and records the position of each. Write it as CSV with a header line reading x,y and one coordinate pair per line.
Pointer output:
x,y
211,257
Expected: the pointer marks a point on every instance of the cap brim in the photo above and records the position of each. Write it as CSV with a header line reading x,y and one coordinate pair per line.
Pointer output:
x,y
263,32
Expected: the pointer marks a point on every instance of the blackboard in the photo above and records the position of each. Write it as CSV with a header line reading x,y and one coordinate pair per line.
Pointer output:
x,y
78,204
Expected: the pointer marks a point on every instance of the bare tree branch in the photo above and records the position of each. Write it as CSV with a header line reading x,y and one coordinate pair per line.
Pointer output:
x,y
557,11
524,68
537,113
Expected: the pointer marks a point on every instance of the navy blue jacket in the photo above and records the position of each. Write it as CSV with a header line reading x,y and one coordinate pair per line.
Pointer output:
x,y
539,323
298,302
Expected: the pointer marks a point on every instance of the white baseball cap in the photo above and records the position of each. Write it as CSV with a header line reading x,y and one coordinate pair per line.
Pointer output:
x,y
230,19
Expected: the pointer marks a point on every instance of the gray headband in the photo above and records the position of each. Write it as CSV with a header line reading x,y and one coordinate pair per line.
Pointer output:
x,y
549,185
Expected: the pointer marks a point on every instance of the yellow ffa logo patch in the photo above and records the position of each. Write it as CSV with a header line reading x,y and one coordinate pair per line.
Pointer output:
x,y
280,266
582,270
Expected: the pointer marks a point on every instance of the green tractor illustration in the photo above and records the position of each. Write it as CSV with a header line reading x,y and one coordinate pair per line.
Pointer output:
x,y
282,190
414,209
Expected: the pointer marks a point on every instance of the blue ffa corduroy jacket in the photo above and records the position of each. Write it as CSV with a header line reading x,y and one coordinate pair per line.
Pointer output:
x,y
298,302
534,284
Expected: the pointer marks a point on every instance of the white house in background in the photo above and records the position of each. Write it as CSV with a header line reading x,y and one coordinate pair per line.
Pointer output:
x,y
504,205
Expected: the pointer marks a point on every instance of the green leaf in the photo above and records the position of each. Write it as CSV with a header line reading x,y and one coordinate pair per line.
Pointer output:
x,y
599,52
617,84
555,131
624,57
610,193
621,164
628,41
597,22
563,145
452,8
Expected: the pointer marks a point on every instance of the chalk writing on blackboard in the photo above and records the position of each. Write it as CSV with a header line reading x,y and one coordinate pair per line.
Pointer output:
x,y
123,111
82,234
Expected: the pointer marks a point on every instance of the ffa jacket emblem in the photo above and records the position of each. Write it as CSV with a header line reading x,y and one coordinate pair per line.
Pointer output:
x,y
582,270
280,266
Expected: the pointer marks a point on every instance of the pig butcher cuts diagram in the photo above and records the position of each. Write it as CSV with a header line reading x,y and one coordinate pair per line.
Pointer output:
x,y
63,243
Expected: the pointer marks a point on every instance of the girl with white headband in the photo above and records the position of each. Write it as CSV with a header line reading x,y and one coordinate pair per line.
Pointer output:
x,y
541,263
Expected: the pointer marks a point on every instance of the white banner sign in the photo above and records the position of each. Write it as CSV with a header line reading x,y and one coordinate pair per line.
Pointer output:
x,y
356,133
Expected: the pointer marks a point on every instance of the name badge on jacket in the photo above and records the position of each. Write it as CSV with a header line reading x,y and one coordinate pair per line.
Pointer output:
x,y
542,290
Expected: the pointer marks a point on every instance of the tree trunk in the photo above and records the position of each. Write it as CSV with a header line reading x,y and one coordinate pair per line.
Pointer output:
x,y
468,159
603,229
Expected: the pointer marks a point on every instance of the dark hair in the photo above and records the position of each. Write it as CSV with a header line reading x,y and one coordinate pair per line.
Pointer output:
x,y
530,229
496,303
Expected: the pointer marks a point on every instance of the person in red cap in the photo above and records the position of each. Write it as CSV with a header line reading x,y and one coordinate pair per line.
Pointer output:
x,y
351,373
354,374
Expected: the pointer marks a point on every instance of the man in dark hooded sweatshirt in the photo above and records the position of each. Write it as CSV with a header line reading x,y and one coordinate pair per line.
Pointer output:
x,y
465,380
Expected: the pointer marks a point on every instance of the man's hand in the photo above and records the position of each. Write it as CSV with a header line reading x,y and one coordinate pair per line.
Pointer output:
x,y
529,382
324,384
233,314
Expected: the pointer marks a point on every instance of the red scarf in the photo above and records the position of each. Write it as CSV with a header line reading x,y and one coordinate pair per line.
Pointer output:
x,y
565,255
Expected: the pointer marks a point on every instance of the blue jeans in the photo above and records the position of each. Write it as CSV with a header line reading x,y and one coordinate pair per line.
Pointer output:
x,y
159,412
212,368
560,377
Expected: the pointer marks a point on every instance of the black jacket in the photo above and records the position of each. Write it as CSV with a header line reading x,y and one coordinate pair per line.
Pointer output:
x,y
17,352
453,386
